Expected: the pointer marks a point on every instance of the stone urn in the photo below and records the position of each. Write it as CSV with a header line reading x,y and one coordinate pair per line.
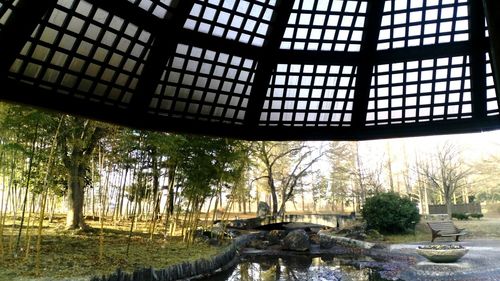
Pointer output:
x,y
442,253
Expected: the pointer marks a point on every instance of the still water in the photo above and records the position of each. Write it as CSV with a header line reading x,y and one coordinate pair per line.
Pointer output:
x,y
323,219
297,268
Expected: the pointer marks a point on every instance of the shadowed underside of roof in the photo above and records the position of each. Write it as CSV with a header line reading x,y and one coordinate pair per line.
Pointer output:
x,y
258,69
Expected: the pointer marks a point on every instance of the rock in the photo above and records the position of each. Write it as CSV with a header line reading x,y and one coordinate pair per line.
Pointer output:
x,y
252,223
263,210
275,248
240,224
275,236
357,232
262,235
214,242
258,244
326,242
357,235
380,246
297,240
202,234
314,238
349,242
218,229
374,235
233,233
327,230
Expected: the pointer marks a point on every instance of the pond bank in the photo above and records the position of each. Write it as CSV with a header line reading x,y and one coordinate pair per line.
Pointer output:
x,y
196,269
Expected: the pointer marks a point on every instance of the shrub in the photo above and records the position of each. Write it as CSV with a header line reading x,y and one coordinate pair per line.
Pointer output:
x,y
477,216
460,216
390,213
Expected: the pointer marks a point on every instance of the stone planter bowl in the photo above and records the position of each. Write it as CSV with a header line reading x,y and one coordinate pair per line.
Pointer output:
x,y
442,255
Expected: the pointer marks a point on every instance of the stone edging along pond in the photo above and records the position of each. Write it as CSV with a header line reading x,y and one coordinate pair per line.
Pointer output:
x,y
196,269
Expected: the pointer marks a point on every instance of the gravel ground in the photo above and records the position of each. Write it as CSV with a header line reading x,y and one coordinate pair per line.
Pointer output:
x,y
482,262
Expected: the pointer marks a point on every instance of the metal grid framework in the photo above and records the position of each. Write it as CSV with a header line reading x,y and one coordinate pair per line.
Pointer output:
x,y
86,52
423,22
420,91
325,26
6,8
241,20
257,69
310,95
204,85
158,8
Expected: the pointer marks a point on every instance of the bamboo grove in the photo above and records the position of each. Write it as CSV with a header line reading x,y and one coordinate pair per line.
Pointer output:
x,y
53,163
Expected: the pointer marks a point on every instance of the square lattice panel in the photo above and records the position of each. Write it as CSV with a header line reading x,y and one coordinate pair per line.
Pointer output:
x,y
158,8
325,26
6,8
420,91
246,21
491,94
203,84
310,95
84,51
412,23
258,69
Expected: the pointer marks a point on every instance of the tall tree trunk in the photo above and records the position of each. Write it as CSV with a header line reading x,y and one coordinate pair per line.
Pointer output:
x,y
30,165
171,184
156,187
449,207
389,167
156,195
75,198
121,195
274,197
360,178
76,143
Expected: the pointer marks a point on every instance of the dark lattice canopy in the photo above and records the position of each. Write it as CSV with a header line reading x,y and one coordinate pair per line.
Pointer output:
x,y
258,69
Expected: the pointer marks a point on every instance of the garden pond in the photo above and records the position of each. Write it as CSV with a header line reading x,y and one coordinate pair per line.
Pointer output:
x,y
300,268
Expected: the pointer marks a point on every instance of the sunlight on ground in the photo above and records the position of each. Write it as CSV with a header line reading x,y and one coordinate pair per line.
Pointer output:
x,y
68,254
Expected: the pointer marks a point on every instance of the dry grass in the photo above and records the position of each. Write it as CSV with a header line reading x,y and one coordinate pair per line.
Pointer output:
x,y
486,228
69,255
422,233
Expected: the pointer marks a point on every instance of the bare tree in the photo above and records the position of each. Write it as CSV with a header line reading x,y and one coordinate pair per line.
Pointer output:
x,y
284,164
351,176
486,181
446,172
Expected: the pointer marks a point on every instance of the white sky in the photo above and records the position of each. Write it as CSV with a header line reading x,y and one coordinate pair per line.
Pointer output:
x,y
474,146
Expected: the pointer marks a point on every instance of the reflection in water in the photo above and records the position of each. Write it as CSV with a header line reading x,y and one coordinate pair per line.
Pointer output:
x,y
327,220
297,268
330,220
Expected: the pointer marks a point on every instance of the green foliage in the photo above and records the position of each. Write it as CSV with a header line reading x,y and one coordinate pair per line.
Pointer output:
x,y
211,162
390,213
460,216
477,216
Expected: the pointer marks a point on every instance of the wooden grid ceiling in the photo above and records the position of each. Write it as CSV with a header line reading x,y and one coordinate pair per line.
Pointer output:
x,y
258,69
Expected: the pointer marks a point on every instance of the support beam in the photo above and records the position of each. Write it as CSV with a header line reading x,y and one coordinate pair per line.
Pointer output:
x,y
18,28
492,11
267,62
365,68
477,60
127,10
162,49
